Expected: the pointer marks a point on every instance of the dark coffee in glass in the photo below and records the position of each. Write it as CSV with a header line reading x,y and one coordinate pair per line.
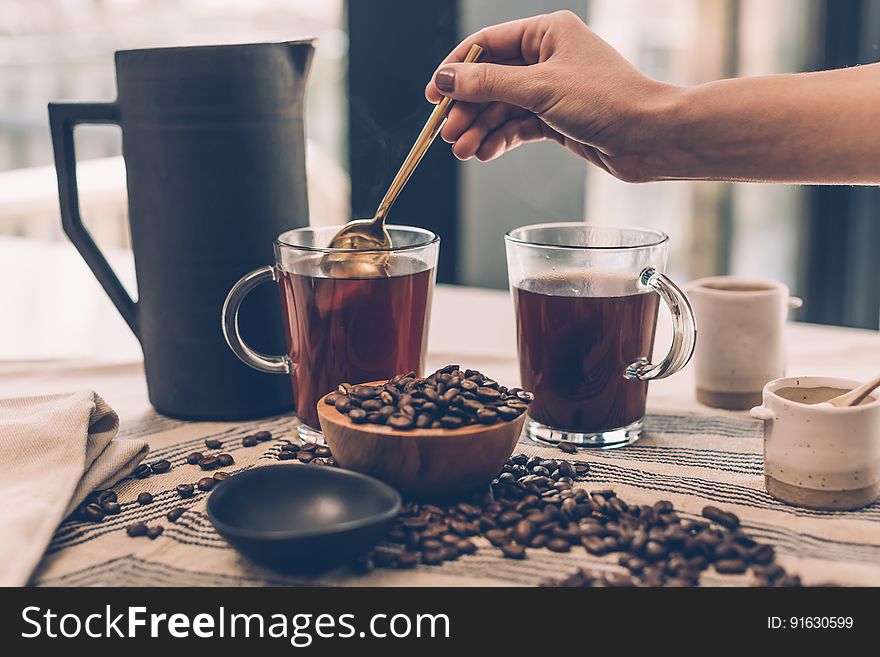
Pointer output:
x,y
586,301
348,316
573,363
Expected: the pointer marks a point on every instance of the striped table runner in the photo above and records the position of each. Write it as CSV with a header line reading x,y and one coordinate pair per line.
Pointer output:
x,y
692,460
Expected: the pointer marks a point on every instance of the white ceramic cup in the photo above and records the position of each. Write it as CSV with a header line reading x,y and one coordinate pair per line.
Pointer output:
x,y
817,455
740,345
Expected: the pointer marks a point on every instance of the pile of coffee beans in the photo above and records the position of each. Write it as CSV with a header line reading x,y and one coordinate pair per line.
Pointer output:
x,y
533,504
449,398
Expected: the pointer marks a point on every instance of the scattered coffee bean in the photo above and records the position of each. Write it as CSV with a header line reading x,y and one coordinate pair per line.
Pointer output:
x,y
723,518
567,447
106,496
155,531
111,508
262,436
213,443
194,458
221,476
513,551
137,529
206,483
93,512
209,463
144,498
160,467
730,566
143,471
248,441
185,490
175,513
225,460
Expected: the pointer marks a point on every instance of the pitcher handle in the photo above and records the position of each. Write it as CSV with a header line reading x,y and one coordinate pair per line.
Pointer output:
x,y
684,326
63,118
248,355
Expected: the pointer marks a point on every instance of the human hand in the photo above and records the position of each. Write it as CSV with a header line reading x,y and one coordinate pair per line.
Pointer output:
x,y
550,77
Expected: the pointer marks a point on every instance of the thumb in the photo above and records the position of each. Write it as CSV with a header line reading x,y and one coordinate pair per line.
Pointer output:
x,y
483,83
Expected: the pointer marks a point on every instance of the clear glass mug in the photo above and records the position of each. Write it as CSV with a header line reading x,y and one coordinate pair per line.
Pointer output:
x,y
342,324
586,300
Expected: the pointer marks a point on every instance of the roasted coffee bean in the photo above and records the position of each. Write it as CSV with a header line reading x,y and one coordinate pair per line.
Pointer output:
x,y
497,537
762,555
106,496
262,436
209,463
400,421
213,443
247,441
567,447
723,518
432,557
185,490
221,476
286,456
111,508
305,457
155,531
143,471
730,566
407,560
93,512
342,404
144,498
451,422
513,551
330,400
308,447
194,458
160,467
372,405
175,513
357,416
137,529
206,483
225,460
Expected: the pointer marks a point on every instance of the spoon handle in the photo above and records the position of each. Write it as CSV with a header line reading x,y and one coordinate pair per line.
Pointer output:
x,y
856,395
420,147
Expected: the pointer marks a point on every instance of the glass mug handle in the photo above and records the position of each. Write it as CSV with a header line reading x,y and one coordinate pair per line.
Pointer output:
x,y
247,355
684,327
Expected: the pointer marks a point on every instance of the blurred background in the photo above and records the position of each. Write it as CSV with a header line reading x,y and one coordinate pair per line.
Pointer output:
x,y
365,105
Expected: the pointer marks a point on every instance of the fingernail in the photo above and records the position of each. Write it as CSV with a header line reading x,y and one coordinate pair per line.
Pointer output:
x,y
445,79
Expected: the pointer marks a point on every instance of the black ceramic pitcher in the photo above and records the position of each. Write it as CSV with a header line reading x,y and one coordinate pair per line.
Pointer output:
x,y
214,151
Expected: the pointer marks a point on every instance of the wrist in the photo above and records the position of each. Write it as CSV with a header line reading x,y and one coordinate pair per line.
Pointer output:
x,y
656,141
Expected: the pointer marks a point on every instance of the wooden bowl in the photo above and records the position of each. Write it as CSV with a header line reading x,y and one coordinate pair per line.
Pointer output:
x,y
421,463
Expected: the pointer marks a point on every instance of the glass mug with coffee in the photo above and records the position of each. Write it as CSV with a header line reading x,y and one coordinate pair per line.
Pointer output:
x,y
586,300
357,323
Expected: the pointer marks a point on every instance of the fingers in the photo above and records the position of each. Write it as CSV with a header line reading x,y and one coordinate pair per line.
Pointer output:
x,y
460,118
525,86
512,42
510,135
495,115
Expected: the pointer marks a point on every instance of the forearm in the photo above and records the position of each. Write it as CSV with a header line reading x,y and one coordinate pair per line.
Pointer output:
x,y
804,128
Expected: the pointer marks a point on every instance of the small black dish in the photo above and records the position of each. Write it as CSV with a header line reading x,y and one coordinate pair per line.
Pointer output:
x,y
301,518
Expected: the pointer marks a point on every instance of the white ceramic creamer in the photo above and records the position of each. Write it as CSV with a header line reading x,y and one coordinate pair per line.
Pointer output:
x,y
817,455
741,344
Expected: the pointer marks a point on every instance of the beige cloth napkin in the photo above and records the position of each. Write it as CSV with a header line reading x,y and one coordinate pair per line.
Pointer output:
x,y
54,451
